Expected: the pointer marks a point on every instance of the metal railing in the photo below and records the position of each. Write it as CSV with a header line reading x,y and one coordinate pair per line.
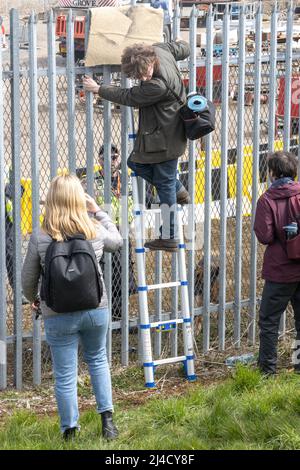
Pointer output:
x,y
45,129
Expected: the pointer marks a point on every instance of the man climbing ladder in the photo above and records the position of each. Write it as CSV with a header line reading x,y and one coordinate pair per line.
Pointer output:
x,y
159,142
160,138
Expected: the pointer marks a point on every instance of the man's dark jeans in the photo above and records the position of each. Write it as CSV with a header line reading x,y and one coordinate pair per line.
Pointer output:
x,y
163,177
275,299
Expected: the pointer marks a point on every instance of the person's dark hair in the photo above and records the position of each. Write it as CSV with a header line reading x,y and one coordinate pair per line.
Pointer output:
x,y
113,149
136,59
283,164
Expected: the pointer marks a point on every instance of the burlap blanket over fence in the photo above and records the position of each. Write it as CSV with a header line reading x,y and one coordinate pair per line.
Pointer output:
x,y
112,29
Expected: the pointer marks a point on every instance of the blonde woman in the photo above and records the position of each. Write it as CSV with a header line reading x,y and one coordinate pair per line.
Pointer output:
x,y
69,211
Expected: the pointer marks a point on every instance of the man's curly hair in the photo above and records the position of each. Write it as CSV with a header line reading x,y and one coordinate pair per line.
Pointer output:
x,y
136,59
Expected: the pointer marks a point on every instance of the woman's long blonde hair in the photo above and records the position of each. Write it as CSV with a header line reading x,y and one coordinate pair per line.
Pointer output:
x,y
65,210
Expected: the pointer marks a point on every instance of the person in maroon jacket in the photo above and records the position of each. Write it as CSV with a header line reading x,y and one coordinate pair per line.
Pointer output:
x,y
281,275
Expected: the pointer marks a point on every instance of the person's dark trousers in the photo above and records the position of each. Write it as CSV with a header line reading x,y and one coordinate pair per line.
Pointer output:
x,y
275,299
9,251
163,177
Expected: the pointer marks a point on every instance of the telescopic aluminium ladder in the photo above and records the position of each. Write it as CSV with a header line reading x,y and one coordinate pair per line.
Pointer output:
x,y
144,322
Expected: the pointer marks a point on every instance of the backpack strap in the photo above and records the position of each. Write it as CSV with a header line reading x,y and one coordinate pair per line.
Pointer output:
x,y
290,216
45,276
77,236
177,97
293,217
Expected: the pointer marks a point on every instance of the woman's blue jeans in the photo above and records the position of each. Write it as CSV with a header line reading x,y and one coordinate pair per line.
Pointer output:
x,y
63,333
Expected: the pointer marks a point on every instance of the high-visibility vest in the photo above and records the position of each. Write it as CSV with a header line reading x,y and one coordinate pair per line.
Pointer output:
x,y
115,201
9,209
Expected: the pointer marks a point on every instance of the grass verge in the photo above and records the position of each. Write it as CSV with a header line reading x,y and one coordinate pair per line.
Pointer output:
x,y
246,411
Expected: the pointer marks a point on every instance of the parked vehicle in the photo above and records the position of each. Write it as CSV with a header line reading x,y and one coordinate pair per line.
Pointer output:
x,y
3,34
219,9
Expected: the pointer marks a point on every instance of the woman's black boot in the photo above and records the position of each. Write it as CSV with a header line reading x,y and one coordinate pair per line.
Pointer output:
x,y
69,434
109,430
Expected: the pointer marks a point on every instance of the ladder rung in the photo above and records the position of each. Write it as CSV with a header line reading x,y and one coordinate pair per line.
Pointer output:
x,y
139,211
169,360
154,210
164,285
147,250
177,321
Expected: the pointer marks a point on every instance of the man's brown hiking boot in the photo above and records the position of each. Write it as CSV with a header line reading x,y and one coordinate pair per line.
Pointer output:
x,y
183,197
163,244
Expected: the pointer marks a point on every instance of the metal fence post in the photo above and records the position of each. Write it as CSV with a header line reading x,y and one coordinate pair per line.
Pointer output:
x,y
273,78
158,294
192,167
288,78
224,168
174,303
3,351
287,106
158,256
255,170
89,115
71,92
208,185
124,230
16,174
107,200
52,94
239,181
37,346
176,22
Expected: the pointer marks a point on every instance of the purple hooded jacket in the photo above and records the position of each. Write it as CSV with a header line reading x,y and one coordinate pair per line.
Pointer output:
x,y
271,215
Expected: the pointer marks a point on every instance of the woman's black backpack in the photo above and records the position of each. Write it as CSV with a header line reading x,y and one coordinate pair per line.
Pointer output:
x,y
71,280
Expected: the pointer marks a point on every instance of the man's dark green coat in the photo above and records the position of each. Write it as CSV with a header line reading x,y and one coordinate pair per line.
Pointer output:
x,y
160,135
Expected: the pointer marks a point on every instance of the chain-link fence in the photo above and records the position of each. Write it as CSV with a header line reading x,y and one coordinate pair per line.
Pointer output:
x,y
48,125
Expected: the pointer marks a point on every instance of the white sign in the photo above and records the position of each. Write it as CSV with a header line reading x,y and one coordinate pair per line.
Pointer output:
x,y
87,3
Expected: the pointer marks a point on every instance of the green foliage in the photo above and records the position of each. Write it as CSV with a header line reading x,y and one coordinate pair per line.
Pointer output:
x,y
244,412
246,379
